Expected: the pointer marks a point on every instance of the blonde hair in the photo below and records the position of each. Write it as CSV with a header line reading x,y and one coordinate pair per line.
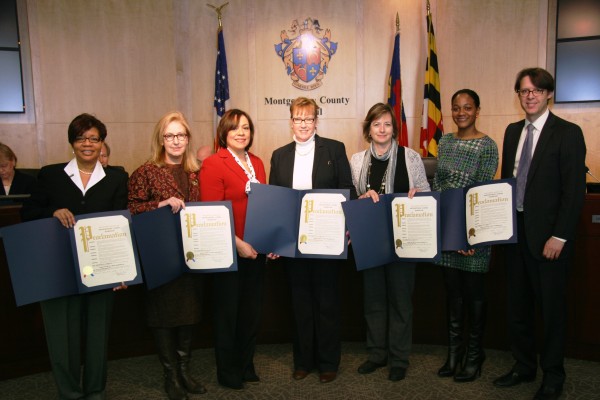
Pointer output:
x,y
7,153
304,102
190,164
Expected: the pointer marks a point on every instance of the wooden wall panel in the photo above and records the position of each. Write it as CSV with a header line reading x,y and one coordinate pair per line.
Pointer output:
x,y
115,59
21,138
131,61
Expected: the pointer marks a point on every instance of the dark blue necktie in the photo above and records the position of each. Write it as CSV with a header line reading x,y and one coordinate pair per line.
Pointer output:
x,y
524,163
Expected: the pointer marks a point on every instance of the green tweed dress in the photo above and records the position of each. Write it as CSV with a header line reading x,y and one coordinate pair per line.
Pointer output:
x,y
462,163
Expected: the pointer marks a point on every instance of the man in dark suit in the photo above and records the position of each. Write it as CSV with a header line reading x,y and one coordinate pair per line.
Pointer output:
x,y
547,155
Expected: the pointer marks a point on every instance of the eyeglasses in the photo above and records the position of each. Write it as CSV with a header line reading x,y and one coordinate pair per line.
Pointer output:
x,y
377,125
180,137
525,92
298,121
93,139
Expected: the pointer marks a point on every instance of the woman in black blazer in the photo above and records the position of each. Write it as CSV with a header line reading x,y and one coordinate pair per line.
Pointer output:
x,y
313,162
13,181
80,186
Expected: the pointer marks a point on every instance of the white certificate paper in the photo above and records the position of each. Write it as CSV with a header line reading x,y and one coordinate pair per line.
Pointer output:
x,y
414,224
489,213
322,228
104,250
206,236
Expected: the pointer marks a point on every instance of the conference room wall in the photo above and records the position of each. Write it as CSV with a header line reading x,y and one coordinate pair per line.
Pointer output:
x,y
128,62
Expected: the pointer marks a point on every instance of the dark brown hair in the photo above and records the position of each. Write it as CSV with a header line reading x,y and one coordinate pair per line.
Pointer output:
x,y
376,112
230,122
540,78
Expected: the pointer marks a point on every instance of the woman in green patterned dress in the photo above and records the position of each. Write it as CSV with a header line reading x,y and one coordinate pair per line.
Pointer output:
x,y
464,158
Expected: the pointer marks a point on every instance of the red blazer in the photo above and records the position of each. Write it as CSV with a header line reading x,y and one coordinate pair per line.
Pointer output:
x,y
151,184
221,178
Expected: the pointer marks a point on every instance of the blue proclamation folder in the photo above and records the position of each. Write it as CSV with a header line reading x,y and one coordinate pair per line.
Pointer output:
x,y
158,236
273,219
43,262
372,234
454,222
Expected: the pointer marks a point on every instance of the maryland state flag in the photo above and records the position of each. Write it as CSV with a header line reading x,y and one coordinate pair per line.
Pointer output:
x,y
432,127
395,91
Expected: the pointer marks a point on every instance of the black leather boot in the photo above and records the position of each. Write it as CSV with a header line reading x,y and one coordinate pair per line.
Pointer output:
x,y
165,344
184,351
456,348
475,354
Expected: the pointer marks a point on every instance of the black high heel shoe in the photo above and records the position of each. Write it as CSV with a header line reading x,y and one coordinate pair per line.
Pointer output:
x,y
471,370
475,354
456,348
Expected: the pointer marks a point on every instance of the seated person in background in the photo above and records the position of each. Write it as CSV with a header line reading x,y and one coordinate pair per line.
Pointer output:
x,y
13,181
203,153
104,155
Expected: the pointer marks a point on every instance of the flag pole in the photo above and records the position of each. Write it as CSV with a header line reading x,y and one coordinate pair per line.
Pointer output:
x,y
429,22
221,76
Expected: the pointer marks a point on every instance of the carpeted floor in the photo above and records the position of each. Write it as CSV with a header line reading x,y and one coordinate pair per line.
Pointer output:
x,y
141,378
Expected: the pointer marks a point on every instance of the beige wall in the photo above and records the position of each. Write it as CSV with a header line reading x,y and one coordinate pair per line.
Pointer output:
x,y
130,61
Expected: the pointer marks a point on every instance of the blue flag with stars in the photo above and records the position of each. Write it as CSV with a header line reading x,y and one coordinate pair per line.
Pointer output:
x,y
221,78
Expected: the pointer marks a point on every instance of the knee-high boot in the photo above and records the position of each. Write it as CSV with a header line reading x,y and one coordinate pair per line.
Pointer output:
x,y
184,350
167,354
456,348
475,354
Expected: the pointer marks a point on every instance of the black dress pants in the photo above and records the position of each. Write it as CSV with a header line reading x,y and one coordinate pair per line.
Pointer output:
x,y
314,286
238,300
70,322
532,281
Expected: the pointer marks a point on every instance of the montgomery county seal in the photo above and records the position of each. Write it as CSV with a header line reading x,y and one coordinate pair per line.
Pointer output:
x,y
306,50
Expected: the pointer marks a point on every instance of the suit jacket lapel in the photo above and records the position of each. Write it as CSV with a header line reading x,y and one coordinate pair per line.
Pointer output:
x,y
511,149
320,152
287,164
233,165
545,137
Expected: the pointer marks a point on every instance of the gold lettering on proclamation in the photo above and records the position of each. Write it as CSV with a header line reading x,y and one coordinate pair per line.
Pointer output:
x,y
399,214
309,206
86,236
473,201
190,222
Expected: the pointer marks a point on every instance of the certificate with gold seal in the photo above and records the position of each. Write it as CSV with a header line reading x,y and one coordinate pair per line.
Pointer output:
x,y
297,223
414,223
482,214
198,239
394,229
206,236
104,250
489,213
322,225
47,260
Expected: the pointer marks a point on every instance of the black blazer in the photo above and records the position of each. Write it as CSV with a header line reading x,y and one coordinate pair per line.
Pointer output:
x,y
555,188
55,190
331,169
21,184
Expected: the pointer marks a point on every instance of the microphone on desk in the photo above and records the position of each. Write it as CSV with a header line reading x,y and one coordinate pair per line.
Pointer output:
x,y
587,171
592,187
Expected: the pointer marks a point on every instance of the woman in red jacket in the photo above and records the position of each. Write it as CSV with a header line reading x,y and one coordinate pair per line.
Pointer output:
x,y
238,295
